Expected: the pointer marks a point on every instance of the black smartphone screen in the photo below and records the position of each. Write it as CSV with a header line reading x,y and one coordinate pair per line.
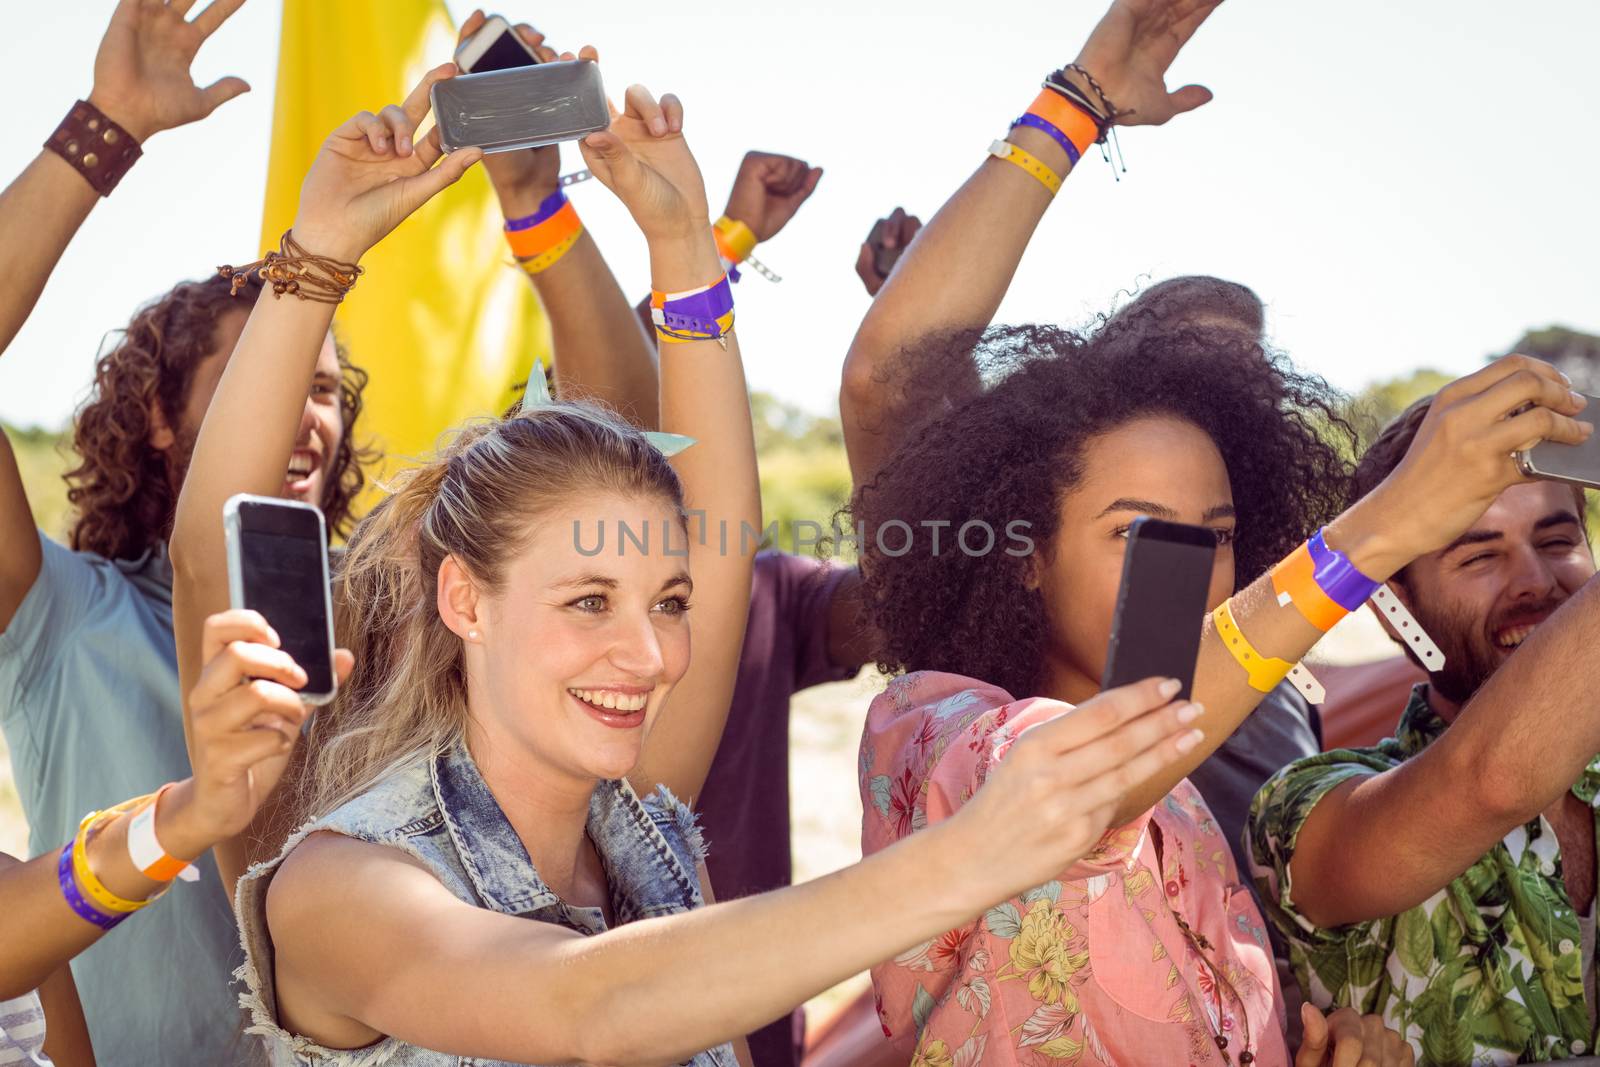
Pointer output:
x,y
281,558
503,54
1161,606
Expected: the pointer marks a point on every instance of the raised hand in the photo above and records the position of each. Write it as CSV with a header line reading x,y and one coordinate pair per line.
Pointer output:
x,y
883,247
370,175
1053,792
645,161
244,720
768,190
1461,458
1345,1039
1129,53
141,73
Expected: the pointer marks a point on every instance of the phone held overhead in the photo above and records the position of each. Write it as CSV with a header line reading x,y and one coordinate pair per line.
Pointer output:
x,y
278,566
495,46
511,100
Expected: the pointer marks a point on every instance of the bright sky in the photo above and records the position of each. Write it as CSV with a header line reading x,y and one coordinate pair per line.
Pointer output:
x,y
1405,184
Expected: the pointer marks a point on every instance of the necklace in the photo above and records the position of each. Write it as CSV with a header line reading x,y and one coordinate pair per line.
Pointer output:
x,y
1220,981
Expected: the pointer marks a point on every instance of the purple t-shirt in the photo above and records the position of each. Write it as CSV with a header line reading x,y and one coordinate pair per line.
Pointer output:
x,y
744,807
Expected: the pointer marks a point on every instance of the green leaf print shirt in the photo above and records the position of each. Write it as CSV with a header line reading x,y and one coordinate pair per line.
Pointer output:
x,y
1486,971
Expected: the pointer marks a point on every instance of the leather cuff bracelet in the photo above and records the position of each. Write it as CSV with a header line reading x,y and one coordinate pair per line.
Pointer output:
x,y
97,148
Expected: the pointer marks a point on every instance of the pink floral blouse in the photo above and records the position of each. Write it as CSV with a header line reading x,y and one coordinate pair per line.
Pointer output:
x,y
1091,968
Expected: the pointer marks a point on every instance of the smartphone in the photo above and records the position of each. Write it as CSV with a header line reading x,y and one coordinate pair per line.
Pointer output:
x,y
1161,605
1574,464
278,565
523,107
495,46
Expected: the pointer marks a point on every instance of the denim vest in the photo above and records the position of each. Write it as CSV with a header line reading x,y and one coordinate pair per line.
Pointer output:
x,y
438,810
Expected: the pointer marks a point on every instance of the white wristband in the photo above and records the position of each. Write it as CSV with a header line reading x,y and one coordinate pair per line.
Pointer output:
x,y
146,852
1406,627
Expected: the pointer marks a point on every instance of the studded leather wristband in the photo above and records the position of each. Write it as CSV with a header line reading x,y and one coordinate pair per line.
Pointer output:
x,y
97,147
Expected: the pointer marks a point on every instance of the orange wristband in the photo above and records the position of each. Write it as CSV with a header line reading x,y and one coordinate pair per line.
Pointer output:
x,y
1072,121
1295,580
559,228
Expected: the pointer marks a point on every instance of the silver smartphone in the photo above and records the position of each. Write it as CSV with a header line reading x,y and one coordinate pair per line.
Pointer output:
x,y
278,566
1574,464
523,107
495,46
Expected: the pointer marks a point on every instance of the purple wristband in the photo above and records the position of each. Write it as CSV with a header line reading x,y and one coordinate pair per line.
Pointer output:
x,y
681,323
547,207
700,312
1336,576
75,901
1046,126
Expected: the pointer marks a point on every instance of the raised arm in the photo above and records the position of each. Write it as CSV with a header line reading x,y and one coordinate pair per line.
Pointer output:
x,y
644,159
1459,462
141,83
768,190
599,350
366,179
1380,844
954,276
367,943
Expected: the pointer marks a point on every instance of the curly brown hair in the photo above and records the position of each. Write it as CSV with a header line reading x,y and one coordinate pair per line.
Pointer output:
x,y
1012,452
125,491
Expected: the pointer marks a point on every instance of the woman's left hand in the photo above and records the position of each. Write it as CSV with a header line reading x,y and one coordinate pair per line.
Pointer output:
x,y
644,159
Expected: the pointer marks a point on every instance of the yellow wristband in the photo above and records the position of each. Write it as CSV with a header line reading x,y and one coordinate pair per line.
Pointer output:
x,y
735,240
1264,672
88,883
1028,162
548,258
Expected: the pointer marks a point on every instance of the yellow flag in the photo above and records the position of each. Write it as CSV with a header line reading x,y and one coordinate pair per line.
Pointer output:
x,y
443,320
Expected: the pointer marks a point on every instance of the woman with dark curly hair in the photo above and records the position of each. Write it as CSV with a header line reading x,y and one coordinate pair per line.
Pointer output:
x,y
88,670
1149,950
89,696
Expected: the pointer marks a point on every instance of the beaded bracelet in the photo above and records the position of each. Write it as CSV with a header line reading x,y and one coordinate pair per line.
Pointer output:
x,y
541,239
704,314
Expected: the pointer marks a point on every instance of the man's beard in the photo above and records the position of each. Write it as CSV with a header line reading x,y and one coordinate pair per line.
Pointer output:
x,y
1470,654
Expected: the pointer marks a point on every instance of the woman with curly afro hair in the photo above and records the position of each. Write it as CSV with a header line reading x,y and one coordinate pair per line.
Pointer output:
x,y
991,548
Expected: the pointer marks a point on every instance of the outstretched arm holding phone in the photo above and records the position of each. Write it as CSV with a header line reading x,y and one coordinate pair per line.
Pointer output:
x,y
143,85
364,182
957,272
52,908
